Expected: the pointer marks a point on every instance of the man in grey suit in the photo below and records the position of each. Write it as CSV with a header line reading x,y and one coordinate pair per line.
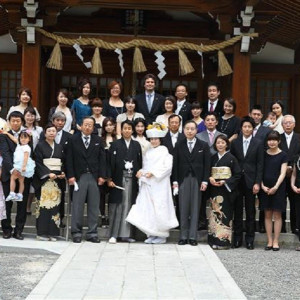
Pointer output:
x,y
210,134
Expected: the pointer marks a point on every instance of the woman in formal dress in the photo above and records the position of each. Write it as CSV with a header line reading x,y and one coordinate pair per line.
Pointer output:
x,y
229,123
114,106
81,106
64,98
109,135
140,134
130,114
97,107
170,107
196,110
295,184
277,108
125,160
154,212
225,174
272,194
46,181
25,97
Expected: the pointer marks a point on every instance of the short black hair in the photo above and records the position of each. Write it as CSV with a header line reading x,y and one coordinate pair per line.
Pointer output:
x,y
16,114
249,120
211,113
190,122
172,116
130,99
196,105
128,122
88,118
257,107
212,83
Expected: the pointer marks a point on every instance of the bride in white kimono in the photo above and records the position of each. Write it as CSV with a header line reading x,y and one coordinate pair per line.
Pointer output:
x,y
154,212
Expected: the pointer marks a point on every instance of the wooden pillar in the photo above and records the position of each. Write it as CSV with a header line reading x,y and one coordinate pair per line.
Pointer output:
x,y
31,59
295,97
241,81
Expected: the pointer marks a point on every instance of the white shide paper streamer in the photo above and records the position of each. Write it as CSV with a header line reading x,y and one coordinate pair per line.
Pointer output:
x,y
202,70
121,62
78,53
160,64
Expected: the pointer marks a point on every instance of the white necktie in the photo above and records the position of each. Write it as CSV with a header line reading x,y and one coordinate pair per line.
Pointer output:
x,y
190,146
246,142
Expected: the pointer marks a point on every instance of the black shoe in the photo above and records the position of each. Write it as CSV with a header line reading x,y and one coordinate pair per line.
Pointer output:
x,y
268,248
276,248
77,239
182,242
237,244
262,229
28,213
6,234
202,226
193,242
18,236
93,239
250,246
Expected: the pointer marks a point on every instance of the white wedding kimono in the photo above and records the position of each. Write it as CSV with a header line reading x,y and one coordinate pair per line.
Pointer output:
x,y
154,212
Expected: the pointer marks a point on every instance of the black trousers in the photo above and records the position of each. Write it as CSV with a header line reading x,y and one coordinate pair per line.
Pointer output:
x,y
291,195
21,207
297,209
245,195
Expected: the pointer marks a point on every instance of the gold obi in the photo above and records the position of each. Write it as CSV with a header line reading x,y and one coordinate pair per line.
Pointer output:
x,y
220,173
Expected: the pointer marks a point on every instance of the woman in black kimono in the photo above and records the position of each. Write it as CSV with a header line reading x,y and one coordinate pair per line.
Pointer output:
x,y
225,175
47,182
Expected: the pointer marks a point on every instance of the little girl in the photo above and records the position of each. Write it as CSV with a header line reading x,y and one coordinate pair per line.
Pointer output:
x,y
22,163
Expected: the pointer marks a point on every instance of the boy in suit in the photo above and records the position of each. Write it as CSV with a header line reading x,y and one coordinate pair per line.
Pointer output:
x,y
249,152
86,168
191,166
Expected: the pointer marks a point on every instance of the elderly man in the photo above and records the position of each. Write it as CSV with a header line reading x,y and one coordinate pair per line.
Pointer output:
x,y
86,169
290,143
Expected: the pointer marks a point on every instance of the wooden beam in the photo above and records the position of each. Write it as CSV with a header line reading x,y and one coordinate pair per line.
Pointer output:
x,y
187,5
31,57
241,81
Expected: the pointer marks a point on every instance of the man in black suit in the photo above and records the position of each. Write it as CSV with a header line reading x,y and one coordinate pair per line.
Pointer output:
x,y
150,103
191,169
173,136
260,132
249,153
213,104
86,169
7,149
290,144
183,105
170,140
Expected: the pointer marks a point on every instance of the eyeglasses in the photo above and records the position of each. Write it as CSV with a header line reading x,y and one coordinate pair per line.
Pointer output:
x,y
288,123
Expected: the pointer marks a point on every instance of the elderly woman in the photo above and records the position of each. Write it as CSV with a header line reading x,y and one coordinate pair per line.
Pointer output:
x,y
25,97
154,212
63,99
46,181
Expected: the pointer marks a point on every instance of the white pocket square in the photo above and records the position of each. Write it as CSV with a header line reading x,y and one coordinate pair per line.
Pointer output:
x,y
200,151
96,144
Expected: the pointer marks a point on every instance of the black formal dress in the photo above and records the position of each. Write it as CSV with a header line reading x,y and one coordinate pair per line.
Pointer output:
x,y
272,169
222,198
229,126
48,192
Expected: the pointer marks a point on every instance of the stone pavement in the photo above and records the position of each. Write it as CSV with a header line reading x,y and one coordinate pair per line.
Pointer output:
x,y
136,271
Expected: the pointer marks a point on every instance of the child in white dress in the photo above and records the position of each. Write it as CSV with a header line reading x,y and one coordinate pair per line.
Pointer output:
x,y
22,163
